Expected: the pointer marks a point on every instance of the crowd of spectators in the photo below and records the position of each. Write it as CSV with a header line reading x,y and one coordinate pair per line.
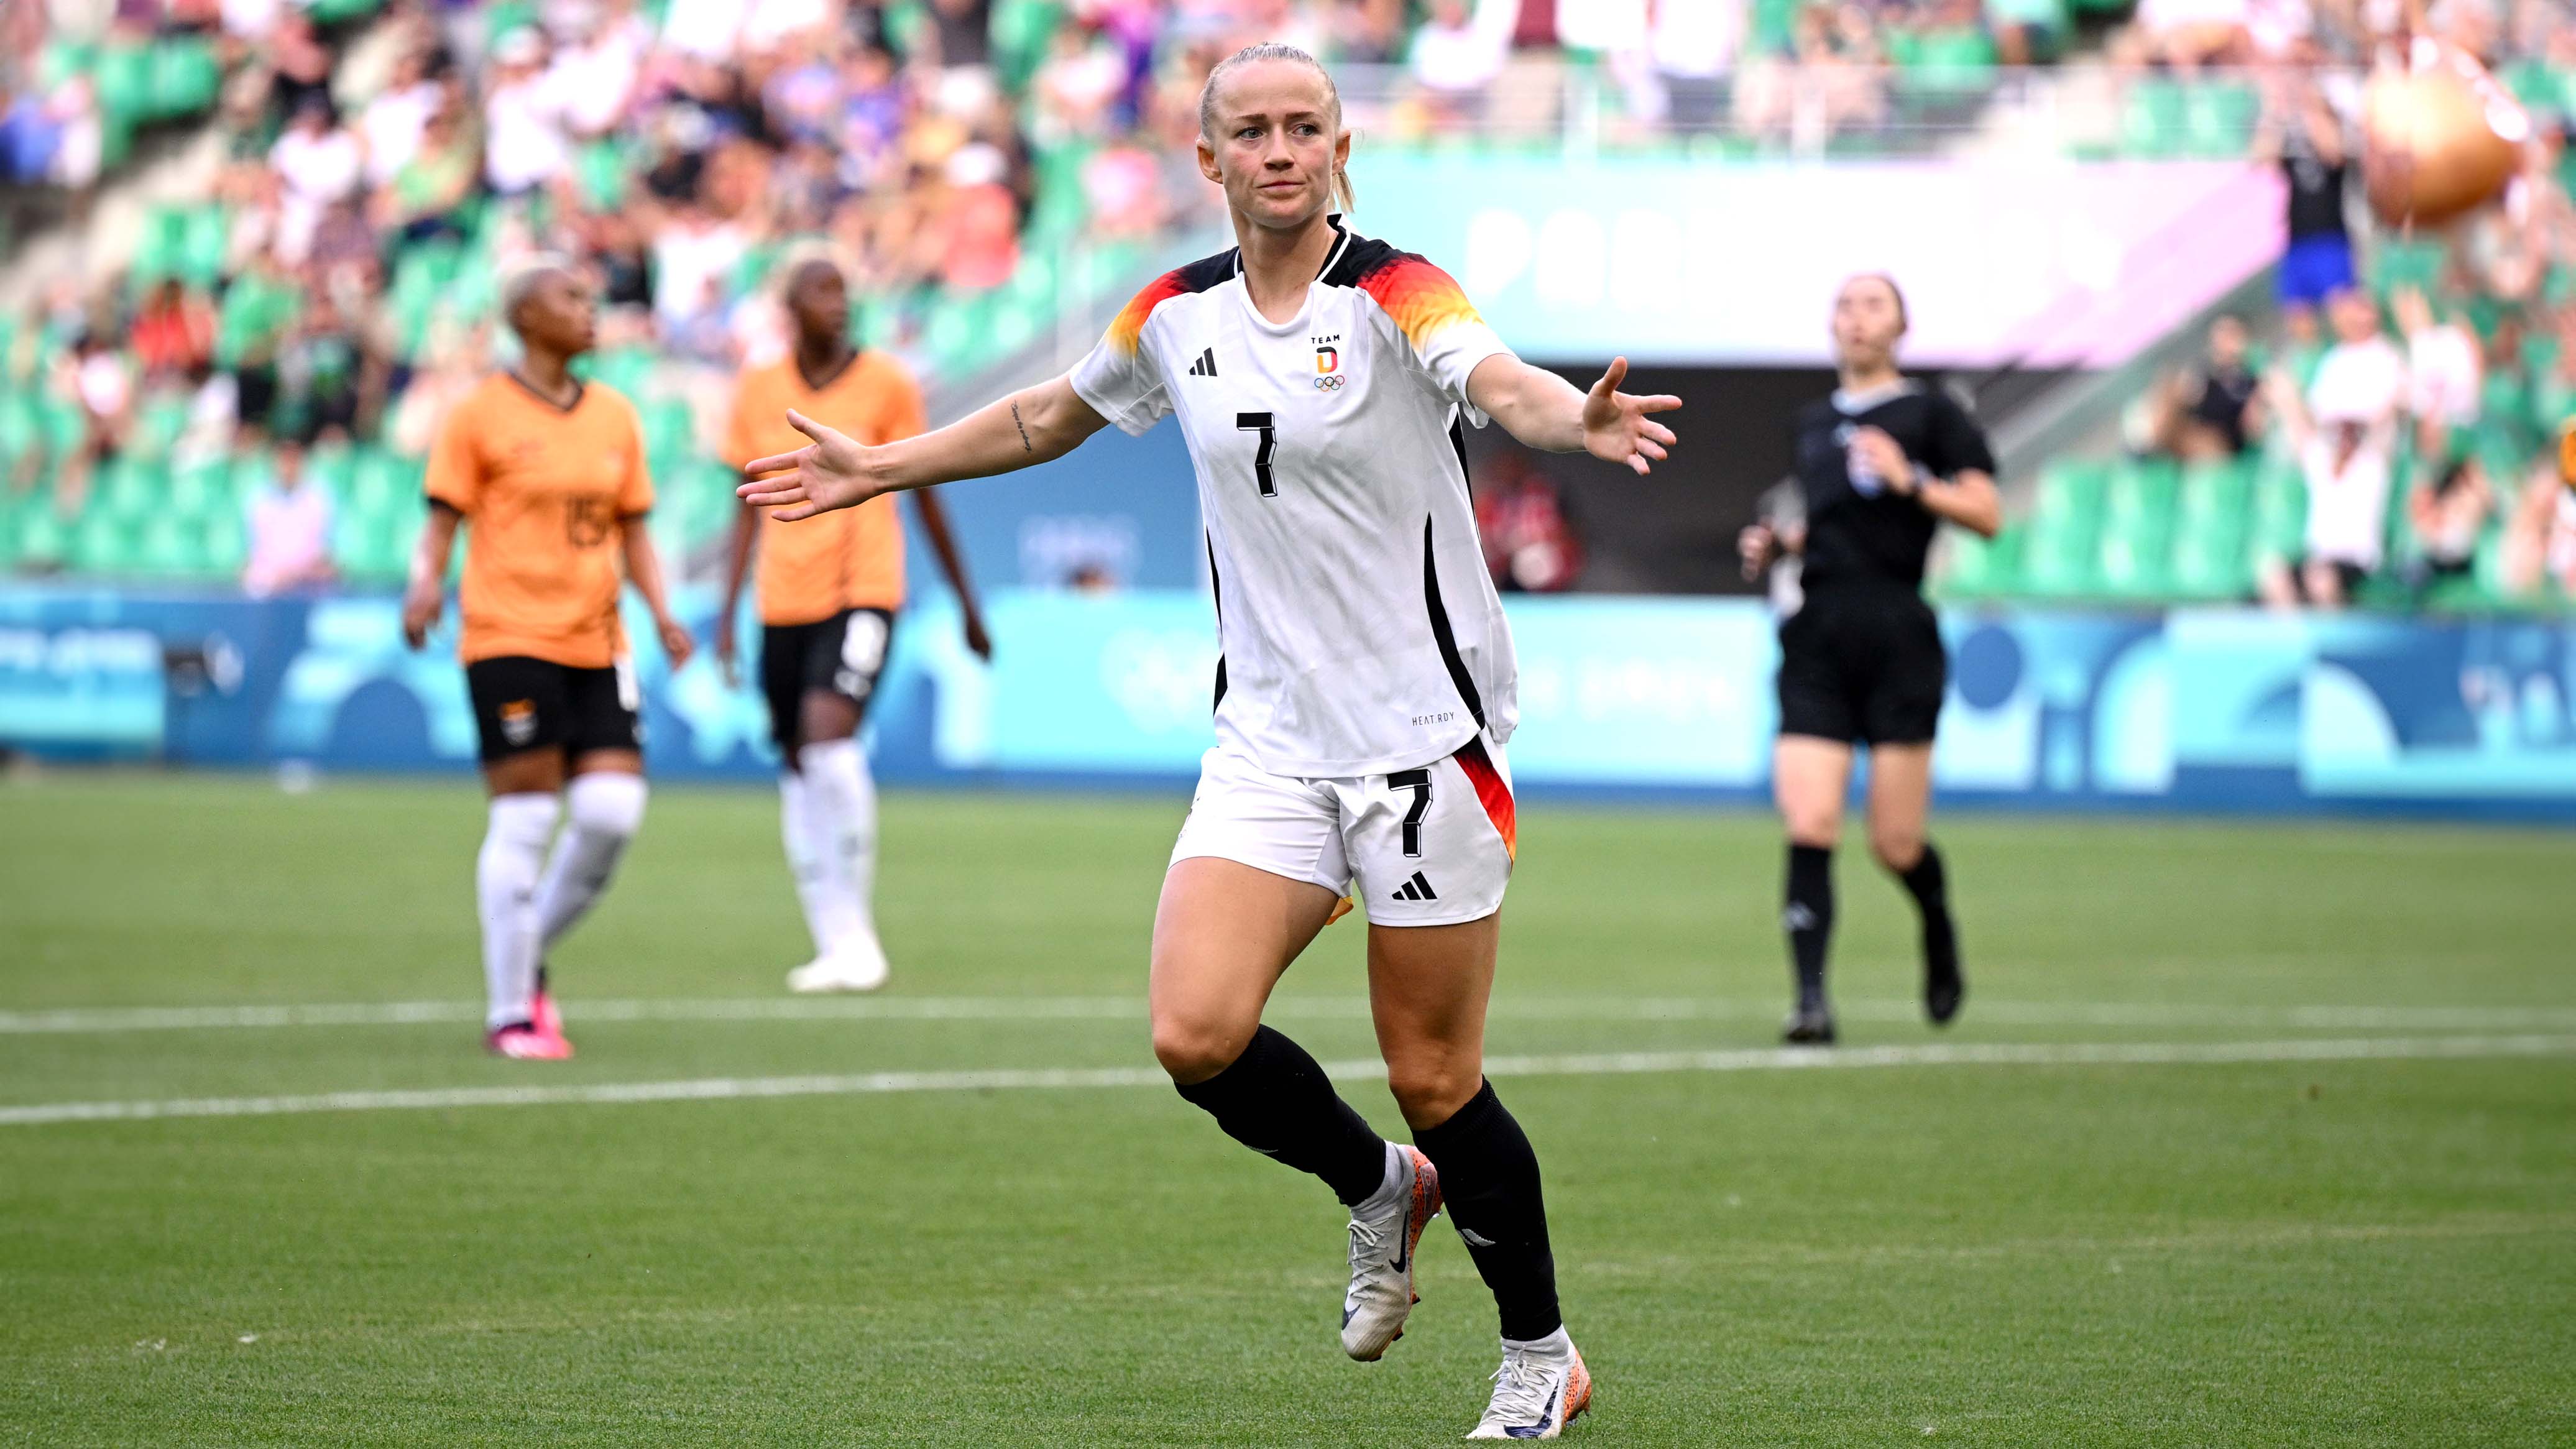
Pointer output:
x,y
2420,385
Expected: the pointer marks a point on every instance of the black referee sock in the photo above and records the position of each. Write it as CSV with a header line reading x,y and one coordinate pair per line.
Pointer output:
x,y
1930,887
1275,1100
1808,916
1489,1180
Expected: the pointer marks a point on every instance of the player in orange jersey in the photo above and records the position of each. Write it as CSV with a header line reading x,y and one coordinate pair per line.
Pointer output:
x,y
829,590
547,473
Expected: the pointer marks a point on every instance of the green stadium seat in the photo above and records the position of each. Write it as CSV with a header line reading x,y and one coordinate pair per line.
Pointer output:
x,y
2220,118
186,76
202,488
158,422
1981,567
158,247
169,546
102,543
2279,526
63,58
205,237
225,545
124,80
2402,264
126,489
2155,118
2209,556
2065,528
2135,554
379,482
43,541
22,428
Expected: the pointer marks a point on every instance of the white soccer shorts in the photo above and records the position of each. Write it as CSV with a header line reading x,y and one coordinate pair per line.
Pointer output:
x,y
1423,847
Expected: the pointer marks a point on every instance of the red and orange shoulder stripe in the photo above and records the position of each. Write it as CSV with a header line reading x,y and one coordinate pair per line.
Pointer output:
x,y
1127,333
1423,300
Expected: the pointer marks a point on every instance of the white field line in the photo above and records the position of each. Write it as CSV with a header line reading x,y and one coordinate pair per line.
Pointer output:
x,y
1304,1008
1578,1065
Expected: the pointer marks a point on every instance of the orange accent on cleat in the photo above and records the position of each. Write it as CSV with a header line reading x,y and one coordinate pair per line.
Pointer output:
x,y
1578,1390
527,1044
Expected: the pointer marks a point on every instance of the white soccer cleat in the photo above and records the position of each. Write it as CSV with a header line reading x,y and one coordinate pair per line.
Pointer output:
x,y
858,964
1541,1387
1385,1230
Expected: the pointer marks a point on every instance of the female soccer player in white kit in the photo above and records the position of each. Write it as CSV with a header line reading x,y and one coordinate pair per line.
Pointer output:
x,y
1364,692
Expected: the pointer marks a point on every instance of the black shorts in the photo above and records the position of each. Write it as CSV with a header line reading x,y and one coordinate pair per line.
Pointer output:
x,y
1866,668
840,655
523,704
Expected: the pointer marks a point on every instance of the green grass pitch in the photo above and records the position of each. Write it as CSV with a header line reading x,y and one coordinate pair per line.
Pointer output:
x,y
2307,1245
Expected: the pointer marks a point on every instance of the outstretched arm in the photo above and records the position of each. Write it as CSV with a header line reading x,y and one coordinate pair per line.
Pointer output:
x,y
1546,412
1037,425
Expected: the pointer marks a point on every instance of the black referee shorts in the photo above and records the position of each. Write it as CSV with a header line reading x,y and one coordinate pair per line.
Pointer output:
x,y
840,655
1864,668
523,704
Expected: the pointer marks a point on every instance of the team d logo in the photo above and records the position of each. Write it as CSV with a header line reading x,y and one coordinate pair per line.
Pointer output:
x,y
519,721
1328,368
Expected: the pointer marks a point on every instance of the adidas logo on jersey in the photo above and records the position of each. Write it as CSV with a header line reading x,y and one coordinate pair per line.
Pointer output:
x,y
1417,889
1206,365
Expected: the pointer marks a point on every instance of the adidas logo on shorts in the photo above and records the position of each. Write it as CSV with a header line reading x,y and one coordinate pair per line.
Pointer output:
x,y
1417,889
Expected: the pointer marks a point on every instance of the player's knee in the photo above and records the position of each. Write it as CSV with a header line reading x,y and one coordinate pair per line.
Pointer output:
x,y
1429,1091
1899,848
607,803
1812,824
1193,1049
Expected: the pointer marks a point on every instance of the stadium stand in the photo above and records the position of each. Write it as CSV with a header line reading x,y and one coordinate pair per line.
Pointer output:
x,y
983,161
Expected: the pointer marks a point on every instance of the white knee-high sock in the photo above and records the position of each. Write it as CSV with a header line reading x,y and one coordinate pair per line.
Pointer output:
x,y
505,883
844,800
605,808
831,915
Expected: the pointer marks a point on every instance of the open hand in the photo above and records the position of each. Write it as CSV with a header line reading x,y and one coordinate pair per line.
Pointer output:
x,y
831,472
1615,426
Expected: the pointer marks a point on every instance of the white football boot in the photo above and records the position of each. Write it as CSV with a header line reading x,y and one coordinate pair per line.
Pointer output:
x,y
1541,1387
857,964
1385,1230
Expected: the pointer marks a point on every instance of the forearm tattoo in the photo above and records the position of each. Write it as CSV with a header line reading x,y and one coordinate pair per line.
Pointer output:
x,y
1025,445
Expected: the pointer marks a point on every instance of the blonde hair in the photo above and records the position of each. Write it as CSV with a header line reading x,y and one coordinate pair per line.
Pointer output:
x,y
1343,191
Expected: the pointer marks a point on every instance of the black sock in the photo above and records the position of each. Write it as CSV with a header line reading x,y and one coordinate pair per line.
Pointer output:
x,y
1930,887
1275,1100
1808,916
1489,1179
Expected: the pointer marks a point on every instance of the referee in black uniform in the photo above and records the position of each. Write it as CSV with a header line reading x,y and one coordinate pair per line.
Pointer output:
x,y
1879,465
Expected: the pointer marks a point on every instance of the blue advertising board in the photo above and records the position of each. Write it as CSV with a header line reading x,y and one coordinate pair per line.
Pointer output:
x,y
2202,709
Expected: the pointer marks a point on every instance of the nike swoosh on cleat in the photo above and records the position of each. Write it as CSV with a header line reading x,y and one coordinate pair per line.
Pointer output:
x,y
1539,1429
1400,1256
1348,1313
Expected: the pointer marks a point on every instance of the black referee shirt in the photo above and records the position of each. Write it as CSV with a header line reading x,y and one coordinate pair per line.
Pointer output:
x,y
1859,531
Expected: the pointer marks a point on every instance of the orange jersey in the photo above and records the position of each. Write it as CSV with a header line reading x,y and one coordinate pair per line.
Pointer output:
x,y
2567,453
543,490
852,558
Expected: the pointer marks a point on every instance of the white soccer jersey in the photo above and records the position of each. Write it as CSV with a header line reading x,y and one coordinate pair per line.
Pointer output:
x,y
1359,632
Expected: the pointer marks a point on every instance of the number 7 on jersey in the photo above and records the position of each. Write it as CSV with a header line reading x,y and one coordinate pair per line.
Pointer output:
x,y
1261,423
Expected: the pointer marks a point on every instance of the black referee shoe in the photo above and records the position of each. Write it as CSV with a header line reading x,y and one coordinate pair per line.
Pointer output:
x,y
1812,1024
1943,985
